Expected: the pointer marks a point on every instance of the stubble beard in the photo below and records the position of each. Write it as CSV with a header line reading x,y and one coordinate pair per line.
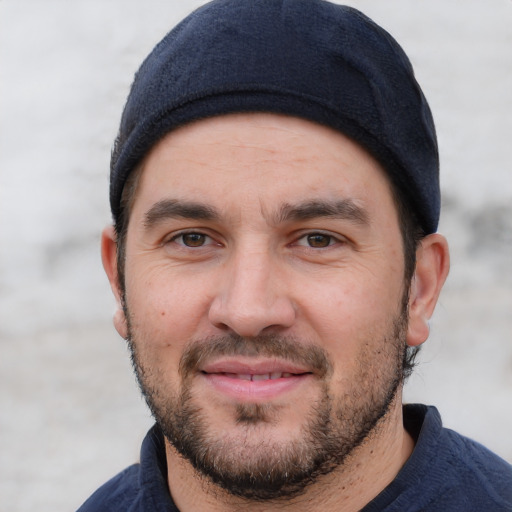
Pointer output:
x,y
257,468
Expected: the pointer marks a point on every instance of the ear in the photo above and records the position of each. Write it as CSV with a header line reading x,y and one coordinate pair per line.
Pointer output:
x,y
109,259
432,266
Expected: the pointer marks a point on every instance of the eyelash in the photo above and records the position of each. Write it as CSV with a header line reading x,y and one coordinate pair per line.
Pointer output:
x,y
331,239
189,233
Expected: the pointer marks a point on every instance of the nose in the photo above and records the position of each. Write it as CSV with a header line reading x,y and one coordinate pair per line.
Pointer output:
x,y
252,298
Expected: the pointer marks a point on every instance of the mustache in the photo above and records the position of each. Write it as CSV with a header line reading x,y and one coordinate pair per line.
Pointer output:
x,y
287,348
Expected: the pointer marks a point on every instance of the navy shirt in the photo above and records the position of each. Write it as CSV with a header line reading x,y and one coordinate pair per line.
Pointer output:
x,y
446,473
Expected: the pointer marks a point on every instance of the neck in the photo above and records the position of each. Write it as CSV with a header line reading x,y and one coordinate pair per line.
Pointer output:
x,y
366,472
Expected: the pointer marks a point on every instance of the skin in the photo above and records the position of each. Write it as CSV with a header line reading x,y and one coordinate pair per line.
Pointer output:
x,y
255,269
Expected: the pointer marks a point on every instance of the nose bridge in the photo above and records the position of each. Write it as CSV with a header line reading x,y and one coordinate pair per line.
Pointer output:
x,y
251,282
252,296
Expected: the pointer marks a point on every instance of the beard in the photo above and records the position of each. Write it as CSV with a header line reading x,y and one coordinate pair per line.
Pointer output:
x,y
249,464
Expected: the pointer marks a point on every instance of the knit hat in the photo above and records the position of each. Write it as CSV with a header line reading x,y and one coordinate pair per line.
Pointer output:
x,y
307,58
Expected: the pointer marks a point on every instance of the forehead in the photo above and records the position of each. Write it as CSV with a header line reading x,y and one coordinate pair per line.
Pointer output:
x,y
238,159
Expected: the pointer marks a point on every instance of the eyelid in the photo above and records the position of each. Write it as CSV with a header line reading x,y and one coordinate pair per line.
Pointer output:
x,y
338,239
191,231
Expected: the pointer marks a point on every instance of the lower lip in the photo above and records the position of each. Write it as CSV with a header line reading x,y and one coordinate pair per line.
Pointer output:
x,y
254,391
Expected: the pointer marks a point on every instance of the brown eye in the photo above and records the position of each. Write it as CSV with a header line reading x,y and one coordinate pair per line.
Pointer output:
x,y
193,239
318,241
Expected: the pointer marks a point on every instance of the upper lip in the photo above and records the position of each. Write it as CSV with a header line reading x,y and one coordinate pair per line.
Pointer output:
x,y
253,367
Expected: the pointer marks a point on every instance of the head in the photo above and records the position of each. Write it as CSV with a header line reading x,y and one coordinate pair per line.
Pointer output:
x,y
274,256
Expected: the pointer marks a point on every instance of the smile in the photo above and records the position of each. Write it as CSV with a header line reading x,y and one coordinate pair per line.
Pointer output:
x,y
259,377
250,381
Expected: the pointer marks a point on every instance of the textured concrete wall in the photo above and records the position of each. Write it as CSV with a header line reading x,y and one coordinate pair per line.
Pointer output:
x,y
70,412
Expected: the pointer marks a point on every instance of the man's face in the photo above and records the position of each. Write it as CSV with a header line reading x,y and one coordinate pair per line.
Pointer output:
x,y
264,298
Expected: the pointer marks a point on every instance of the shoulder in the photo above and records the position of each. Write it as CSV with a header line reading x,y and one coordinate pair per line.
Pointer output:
x,y
460,473
139,487
477,471
118,494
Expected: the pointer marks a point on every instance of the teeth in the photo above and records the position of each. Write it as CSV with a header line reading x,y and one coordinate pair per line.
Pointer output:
x,y
240,376
263,376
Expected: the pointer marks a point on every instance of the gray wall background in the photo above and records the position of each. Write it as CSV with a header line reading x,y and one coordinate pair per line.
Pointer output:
x,y
70,413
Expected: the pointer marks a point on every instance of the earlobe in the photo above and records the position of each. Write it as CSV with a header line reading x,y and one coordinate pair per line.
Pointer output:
x,y
432,266
109,259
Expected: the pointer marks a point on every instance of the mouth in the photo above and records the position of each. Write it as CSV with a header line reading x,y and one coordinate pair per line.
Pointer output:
x,y
254,381
261,376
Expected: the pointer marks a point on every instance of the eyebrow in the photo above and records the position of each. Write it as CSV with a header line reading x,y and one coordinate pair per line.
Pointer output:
x,y
345,209
172,209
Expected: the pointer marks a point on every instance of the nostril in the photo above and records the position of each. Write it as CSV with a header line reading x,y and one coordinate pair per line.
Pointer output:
x,y
250,323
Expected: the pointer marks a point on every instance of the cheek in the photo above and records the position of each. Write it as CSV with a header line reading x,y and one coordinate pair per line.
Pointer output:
x,y
352,311
166,310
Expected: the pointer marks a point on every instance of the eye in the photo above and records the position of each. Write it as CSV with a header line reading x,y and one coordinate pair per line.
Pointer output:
x,y
317,240
192,239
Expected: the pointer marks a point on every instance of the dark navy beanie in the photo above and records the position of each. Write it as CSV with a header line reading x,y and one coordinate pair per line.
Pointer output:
x,y
307,58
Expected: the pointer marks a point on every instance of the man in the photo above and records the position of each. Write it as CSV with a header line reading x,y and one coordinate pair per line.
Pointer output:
x,y
275,194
